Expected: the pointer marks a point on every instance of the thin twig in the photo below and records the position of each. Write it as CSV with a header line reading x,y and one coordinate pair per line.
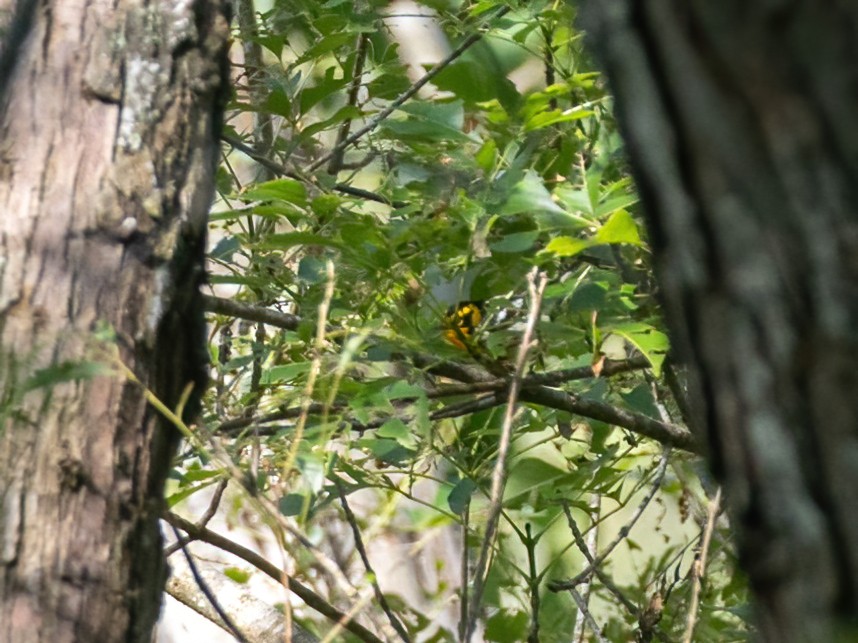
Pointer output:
x,y
668,434
204,519
680,395
306,403
556,586
204,588
536,285
263,126
588,548
467,407
356,609
310,598
408,93
280,170
315,368
533,579
214,504
379,595
336,162
588,617
699,568
465,568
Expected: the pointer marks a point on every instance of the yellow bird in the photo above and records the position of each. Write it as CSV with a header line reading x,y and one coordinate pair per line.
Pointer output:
x,y
461,322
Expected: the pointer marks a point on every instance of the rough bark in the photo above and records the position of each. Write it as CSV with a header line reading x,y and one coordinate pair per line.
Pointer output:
x,y
109,118
739,121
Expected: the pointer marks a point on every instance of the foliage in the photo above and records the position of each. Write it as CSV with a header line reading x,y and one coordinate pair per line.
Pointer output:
x,y
353,395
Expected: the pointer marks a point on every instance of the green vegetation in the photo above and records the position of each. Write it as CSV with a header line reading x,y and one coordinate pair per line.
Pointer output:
x,y
372,208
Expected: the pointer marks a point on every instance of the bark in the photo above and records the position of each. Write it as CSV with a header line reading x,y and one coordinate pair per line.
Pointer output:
x,y
109,118
739,121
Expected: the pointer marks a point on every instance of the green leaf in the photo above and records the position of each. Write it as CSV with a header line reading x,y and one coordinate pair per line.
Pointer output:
x,y
567,246
529,195
284,372
346,113
402,389
652,343
460,496
224,249
620,228
615,203
473,83
554,116
507,627
325,205
516,242
397,430
312,270
640,399
238,575
288,190
324,46
429,121
292,504
65,372
386,449
186,492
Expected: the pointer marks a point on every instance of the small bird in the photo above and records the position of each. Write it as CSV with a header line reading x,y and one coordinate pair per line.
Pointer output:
x,y
461,322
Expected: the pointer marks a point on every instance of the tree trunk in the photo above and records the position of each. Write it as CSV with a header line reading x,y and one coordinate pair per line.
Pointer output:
x,y
739,122
109,121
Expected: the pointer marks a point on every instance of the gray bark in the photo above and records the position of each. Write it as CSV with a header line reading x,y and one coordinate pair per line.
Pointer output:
x,y
109,121
739,121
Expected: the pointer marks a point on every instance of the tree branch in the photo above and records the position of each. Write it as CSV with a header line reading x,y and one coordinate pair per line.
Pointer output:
x,y
556,586
204,588
668,434
223,306
536,285
280,170
533,390
310,598
379,595
698,569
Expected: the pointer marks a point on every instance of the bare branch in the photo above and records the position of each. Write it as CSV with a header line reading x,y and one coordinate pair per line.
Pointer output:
x,y
223,306
556,586
204,588
698,569
551,378
336,162
259,620
588,618
669,435
280,170
204,519
536,285
310,598
379,595
587,548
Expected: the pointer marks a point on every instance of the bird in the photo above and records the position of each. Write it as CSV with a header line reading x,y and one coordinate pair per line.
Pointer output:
x,y
461,322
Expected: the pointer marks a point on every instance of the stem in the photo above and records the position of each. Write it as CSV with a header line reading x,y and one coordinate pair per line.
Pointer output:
x,y
699,568
536,284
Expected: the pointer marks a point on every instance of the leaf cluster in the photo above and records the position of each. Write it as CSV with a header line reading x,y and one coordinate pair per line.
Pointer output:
x,y
506,161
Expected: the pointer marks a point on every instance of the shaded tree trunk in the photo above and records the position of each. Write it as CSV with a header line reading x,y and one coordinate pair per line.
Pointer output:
x,y
109,120
739,121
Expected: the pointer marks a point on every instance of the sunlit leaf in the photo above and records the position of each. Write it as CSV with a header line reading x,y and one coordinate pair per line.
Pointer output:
x,y
620,228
